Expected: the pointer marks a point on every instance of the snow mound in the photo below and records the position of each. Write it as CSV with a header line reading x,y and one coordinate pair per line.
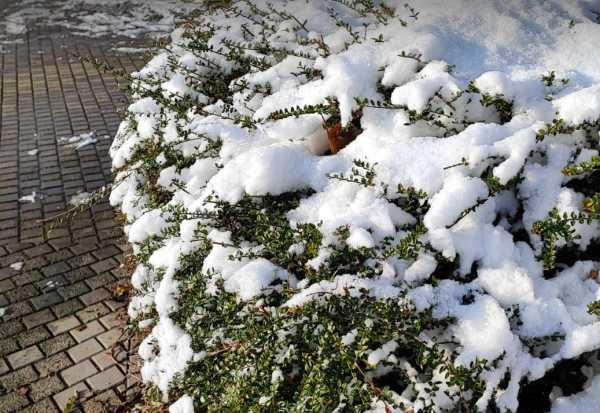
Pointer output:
x,y
446,192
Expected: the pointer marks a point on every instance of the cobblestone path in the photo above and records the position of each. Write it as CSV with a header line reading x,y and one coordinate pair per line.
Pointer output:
x,y
61,323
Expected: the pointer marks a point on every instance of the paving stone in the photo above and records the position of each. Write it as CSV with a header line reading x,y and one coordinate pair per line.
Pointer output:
x,y
81,260
10,328
46,300
104,265
12,402
54,269
29,337
53,364
79,274
7,346
108,251
18,378
64,324
107,400
17,310
57,257
35,319
92,312
84,350
43,406
110,337
113,319
106,379
114,305
6,285
28,277
104,359
78,392
78,372
84,246
56,344
38,250
86,331
73,290
95,296
67,308
22,293
24,357
4,367
34,264
61,241
45,387
100,280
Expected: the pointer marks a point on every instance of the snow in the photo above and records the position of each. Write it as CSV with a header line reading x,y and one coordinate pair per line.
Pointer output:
x,y
131,19
79,199
487,234
458,193
570,109
584,402
16,266
32,152
376,356
496,83
185,404
79,141
509,284
131,50
29,198
421,269
292,164
253,278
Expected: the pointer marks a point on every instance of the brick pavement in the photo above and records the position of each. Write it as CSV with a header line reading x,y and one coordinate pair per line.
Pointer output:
x,y
60,334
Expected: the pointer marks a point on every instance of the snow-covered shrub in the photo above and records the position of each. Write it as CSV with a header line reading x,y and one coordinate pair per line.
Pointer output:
x,y
329,214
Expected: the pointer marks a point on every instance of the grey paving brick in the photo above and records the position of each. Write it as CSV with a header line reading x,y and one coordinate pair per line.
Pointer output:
x,y
95,296
12,402
104,359
92,312
8,345
35,319
64,324
53,364
84,350
78,372
78,392
16,310
23,357
110,337
18,378
86,331
106,379
35,335
6,285
54,269
107,400
100,280
43,406
73,290
104,265
10,328
56,344
79,274
68,307
46,300
45,387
